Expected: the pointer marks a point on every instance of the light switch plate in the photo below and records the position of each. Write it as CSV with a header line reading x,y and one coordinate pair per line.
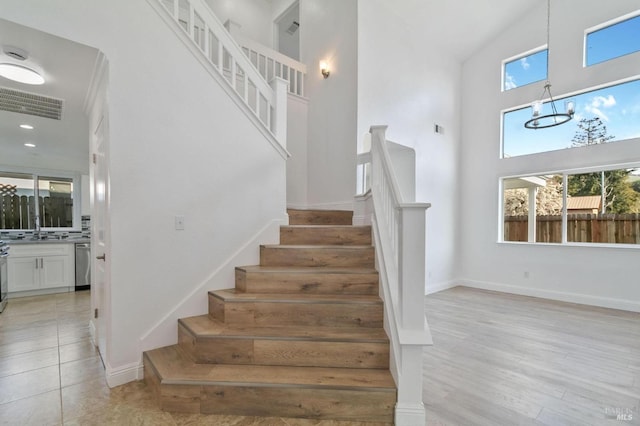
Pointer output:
x,y
179,223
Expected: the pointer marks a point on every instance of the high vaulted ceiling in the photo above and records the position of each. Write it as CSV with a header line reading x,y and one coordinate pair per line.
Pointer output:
x,y
457,26
460,26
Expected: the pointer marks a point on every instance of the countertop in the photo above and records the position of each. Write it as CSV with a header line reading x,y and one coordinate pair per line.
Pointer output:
x,y
71,240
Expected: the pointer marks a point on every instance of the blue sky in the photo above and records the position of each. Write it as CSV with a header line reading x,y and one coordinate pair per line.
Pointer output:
x,y
617,106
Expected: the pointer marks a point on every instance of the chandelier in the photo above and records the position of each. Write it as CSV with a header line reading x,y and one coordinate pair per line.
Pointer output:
x,y
539,120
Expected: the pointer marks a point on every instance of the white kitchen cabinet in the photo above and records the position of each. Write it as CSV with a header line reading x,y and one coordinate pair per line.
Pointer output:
x,y
40,267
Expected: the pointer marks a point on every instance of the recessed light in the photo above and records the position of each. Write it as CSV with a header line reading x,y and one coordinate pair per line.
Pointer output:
x,y
21,74
26,126
30,145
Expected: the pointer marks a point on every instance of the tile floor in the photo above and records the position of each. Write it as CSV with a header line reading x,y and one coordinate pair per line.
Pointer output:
x,y
51,374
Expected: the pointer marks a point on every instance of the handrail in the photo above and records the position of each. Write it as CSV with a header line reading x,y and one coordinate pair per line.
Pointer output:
x,y
220,49
399,233
271,63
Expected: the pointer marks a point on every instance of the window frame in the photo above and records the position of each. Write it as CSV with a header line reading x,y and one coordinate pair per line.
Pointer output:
x,y
565,173
559,100
602,26
35,175
518,57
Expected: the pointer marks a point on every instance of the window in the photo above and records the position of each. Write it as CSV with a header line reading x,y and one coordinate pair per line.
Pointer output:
x,y
53,200
612,41
532,208
604,115
602,207
524,70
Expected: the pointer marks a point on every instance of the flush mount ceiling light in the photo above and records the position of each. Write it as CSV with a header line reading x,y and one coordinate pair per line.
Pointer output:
x,y
26,126
17,72
21,74
538,119
30,145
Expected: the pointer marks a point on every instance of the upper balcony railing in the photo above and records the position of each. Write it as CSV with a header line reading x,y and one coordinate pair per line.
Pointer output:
x,y
271,63
226,56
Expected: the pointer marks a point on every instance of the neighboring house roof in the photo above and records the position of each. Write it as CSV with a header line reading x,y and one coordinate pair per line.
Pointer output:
x,y
584,203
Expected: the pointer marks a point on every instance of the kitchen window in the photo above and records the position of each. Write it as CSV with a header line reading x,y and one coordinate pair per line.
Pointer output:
x,y
50,199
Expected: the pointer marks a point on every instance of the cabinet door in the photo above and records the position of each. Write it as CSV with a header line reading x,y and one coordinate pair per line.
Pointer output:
x,y
23,273
55,272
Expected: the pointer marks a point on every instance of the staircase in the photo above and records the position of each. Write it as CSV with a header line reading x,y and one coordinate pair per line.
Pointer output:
x,y
300,335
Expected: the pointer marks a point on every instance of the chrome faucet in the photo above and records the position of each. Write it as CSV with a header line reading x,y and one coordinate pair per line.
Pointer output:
x,y
36,227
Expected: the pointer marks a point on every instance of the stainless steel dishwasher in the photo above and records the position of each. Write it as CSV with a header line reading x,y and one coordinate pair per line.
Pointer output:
x,y
83,266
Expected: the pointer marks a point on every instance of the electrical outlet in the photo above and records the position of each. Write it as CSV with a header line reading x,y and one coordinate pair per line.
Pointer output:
x,y
179,223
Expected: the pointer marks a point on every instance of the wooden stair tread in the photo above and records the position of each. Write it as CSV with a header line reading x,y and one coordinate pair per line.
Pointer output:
x,y
307,269
325,226
174,368
205,327
315,247
234,296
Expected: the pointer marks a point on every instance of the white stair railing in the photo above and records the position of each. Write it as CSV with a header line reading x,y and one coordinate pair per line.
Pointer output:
x,y
267,101
271,63
399,233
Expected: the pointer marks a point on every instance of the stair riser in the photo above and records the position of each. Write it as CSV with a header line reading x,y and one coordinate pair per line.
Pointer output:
x,y
290,314
320,217
349,257
325,236
309,403
293,402
287,352
307,283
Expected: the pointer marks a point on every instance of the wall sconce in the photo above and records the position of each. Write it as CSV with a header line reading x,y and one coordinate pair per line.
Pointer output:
x,y
324,69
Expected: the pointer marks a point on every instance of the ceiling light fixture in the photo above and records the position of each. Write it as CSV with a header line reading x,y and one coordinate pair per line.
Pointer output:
x,y
30,145
21,74
538,119
26,126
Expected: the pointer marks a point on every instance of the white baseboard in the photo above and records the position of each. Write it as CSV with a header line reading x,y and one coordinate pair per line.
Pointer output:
x,y
582,299
410,414
124,374
92,332
434,288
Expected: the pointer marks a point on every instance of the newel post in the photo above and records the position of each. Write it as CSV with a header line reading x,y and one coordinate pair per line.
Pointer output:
x,y
411,270
280,88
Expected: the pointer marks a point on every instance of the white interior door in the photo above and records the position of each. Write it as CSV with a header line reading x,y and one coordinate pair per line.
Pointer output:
x,y
100,224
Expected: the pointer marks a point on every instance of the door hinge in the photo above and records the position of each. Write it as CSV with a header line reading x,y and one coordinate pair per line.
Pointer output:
x,y
95,313
95,158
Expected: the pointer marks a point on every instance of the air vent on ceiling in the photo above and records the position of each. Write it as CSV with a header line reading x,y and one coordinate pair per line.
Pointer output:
x,y
293,28
15,53
28,103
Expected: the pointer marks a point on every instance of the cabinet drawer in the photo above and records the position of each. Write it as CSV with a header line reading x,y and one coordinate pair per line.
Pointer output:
x,y
40,249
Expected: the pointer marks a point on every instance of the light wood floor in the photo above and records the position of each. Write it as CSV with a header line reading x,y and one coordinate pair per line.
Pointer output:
x,y
502,359
497,360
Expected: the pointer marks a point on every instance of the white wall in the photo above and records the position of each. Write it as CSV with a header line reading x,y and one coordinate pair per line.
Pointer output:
x,y
297,113
252,15
598,275
408,87
329,32
178,146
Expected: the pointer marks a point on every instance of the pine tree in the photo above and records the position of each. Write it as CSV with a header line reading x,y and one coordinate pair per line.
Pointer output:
x,y
591,131
618,196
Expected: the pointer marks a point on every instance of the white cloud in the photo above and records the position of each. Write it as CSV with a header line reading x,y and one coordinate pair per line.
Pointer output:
x,y
509,82
525,64
598,103
597,112
601,101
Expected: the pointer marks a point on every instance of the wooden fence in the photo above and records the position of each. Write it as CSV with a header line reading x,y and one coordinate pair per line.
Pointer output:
x,y
17,212
581,228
